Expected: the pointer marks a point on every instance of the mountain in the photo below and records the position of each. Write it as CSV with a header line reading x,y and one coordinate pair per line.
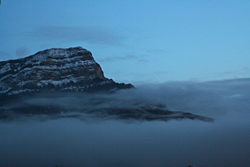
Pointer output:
x,y
48,83
56,69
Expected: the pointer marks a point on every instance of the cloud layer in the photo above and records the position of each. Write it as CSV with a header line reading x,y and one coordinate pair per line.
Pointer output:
x,y
134,57
91,35
21,52
207,98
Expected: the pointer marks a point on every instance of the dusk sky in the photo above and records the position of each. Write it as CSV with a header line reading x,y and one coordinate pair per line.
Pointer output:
x,y
134,40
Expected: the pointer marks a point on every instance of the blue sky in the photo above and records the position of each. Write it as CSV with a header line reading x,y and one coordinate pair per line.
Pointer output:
x,y
136,41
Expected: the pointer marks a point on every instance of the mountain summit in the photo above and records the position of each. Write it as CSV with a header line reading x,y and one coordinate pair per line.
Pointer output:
x,y
56,69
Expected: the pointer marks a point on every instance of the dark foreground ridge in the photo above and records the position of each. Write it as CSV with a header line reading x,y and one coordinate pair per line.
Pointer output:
x,y
139,114
56,69
89,106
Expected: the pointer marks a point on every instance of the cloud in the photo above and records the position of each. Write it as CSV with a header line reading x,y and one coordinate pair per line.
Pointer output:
x,y
238,73
205,98
212,99
4,55
91,35
139,57
22,51
156,51
122,58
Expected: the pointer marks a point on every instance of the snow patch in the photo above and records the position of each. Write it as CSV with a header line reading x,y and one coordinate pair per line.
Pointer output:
x,y
5,68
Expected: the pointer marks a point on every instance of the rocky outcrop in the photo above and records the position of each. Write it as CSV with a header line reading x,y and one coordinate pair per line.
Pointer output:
x,y
66,70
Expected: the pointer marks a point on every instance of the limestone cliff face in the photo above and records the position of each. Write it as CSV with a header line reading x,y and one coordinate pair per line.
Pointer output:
x,y
57,69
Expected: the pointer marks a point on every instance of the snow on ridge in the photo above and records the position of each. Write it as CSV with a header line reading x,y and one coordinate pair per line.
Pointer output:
x,y
65,66
20,91
67,59
5,91
5,68
62,69
79,64
57,53
6,76
62,57
57,82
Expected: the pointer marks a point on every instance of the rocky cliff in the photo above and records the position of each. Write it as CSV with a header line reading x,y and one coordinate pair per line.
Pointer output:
x,y
57,69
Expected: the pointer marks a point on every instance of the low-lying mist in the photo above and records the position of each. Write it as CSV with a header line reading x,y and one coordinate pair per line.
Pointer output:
x,y
203,98
68,142
207,98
